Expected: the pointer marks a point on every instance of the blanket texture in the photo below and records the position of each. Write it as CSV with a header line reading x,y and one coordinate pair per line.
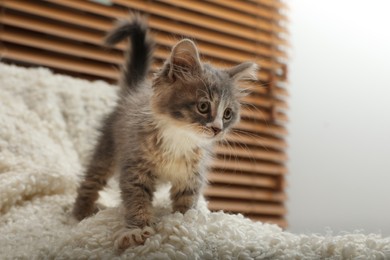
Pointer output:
x,y
47,131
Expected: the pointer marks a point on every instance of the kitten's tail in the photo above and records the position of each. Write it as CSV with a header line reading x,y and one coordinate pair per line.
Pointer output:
x,y
139,54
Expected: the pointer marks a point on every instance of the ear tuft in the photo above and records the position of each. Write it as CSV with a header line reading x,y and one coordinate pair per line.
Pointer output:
x,y
184,59
244,71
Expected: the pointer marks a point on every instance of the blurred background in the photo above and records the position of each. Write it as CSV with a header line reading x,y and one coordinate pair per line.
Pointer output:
x,y
339,130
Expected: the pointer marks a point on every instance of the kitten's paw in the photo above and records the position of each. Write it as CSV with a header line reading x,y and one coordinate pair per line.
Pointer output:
x,y
81,213
126,238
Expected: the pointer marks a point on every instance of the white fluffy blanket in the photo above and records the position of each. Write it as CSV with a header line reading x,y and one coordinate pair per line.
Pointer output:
x,y
47,127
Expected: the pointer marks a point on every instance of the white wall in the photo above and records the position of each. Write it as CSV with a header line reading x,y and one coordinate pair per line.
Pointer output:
x,y
340,116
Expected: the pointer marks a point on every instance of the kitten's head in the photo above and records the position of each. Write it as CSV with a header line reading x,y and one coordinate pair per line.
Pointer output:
x,y
196,96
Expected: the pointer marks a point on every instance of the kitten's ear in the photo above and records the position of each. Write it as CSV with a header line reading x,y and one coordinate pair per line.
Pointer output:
x,y
184,60
244,71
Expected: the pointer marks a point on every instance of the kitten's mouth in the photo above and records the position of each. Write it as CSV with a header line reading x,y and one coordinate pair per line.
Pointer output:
x,y
216,130
210,132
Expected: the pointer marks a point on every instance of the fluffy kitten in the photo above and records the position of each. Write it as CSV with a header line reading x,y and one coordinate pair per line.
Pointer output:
x,y
161,130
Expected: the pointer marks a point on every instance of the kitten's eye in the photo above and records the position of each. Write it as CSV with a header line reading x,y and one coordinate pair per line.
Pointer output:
x,y
203,107
227,115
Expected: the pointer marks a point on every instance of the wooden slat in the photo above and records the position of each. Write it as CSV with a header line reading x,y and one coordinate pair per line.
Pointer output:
x,y
76,49
55,29
70,33
250,153
249,167
202,21
226,14
214,37
94,53
252,112
264,102
247,207
280,92
69,48
168,40
209,50
215,54
259,127
58,61
37,8
275,4
94,8
256,140
247,7
264,87
262,115
247,193
59,14
172,27
268,182
218,55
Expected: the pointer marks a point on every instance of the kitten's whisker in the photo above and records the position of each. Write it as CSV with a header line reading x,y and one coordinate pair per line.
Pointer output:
x,y
231,152
246,148
255,137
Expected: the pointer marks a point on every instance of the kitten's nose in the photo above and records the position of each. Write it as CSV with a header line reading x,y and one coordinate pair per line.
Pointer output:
x,y
216,130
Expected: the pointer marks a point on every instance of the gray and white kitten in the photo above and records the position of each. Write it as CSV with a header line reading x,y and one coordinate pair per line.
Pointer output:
x,y
161,130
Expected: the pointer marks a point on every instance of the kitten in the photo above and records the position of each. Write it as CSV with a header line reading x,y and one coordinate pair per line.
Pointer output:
x,y
161,130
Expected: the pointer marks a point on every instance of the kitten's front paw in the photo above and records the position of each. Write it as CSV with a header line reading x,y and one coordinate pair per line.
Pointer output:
x,y
126,238
82,211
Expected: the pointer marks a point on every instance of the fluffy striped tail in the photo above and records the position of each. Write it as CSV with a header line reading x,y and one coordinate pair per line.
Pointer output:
x,y
140,50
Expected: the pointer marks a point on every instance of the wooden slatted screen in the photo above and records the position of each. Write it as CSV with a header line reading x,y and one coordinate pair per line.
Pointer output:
x,y
248,173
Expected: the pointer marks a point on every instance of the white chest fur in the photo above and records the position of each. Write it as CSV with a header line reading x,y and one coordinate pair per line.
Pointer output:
x,y
181,155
